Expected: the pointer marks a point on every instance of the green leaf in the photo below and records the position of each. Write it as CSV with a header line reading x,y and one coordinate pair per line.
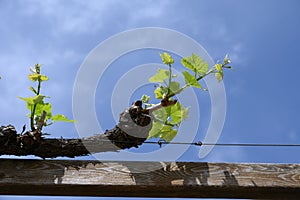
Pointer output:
x,y
39,99
28,100
186,63
36,77
44,78
166,58
219,76
185,113
161,114
155,130
60,117
160,76
195,63
174,86
219,67
33,90
40,107
177,113
145,98
167,133
160,92
191,80
33,100
176,117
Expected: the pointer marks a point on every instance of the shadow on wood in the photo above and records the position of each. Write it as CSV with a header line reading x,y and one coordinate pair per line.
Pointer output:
x,y
148,179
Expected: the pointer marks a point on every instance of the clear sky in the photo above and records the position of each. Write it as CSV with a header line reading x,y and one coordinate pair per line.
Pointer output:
x,y
261,37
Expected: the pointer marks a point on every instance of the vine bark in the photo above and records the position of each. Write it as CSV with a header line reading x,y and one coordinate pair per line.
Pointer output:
x,y
131,131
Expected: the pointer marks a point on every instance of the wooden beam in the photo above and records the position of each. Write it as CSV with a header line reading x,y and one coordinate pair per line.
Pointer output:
x,y
149,179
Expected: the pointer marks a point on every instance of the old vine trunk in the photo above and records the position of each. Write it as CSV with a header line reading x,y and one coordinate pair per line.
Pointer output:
x,y
131,131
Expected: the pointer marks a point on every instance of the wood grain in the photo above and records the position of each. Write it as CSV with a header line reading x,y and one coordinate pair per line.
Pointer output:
x,y
149,179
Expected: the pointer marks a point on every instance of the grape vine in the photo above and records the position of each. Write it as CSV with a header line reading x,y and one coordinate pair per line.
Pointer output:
x,y
40,112
169,113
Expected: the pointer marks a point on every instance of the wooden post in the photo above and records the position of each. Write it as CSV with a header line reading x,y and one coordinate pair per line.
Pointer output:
x,y
149,179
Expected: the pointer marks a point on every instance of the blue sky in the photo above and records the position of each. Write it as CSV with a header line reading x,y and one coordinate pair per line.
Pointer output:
x,y
261,37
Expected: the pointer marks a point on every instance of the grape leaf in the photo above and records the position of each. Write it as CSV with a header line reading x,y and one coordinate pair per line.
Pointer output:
x,y
160,92
33,100
219,76
33,90
161,114
28,100
145,98
155,130
191,80
166,58
195,63
219,67
160,76
167,133
168,136
35,77
185,113
174,86
177,113
62,118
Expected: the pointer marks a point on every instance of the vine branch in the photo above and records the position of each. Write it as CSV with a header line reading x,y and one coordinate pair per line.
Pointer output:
x,y
131,131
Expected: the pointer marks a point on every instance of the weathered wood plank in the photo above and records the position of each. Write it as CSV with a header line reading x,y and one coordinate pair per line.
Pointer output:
x,y
149,179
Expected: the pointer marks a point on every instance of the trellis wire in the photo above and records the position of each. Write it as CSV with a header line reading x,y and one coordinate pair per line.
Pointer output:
x,y
199,143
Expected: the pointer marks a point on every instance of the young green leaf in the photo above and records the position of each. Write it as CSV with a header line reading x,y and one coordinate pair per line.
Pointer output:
x,y
219,76
195,63
185,113
33,100
62,118
36,104
155,130
161,115
169,117
160,92
165,132
177,113
160,76
28,100
33,90
174,86
191,80
166,58
39,99
145,98
219,67
36,77
44,78
168,135
40,107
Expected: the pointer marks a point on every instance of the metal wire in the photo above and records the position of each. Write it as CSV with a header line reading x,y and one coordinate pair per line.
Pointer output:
x,y
199,143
